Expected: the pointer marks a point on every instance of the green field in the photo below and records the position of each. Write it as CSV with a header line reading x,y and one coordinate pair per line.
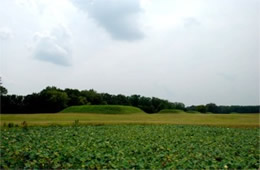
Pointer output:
x,y
227,120
129,140
129,147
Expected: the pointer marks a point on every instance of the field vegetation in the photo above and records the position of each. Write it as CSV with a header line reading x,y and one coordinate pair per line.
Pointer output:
x,y
227,120
129,147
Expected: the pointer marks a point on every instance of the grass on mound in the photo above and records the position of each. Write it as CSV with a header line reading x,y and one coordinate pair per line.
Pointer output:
x,y
191,111
171,111
105,109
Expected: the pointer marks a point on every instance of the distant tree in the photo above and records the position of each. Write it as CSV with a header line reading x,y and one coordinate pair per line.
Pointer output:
x,y
12,104
3,90
238,109
134,100
157,104
54,99
212,107
75,97
122,100
92,96
178,105
107,98
201,108
34,103
191,108
145,104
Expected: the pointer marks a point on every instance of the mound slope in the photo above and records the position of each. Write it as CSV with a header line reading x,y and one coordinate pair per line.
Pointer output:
x,y
171,111
105,109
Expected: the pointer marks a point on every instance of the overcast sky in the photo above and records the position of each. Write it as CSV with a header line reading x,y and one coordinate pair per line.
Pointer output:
x,y
187,51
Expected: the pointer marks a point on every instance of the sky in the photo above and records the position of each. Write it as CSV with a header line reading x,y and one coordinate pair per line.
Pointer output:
x,y
195,52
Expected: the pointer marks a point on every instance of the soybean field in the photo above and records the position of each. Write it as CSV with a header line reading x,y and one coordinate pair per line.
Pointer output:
x,y
129,147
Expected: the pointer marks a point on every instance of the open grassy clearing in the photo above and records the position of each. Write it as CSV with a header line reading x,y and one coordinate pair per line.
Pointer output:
x,y
229,120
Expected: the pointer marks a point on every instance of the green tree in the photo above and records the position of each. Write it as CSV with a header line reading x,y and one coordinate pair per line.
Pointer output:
x,y
3,90
201,108
134,100
145,104
54,99
157,104
122,100
212,107
75,97
92,96
107,98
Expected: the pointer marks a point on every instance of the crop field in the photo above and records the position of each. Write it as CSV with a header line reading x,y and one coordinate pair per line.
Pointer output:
x,y
129,141
129,146
226,120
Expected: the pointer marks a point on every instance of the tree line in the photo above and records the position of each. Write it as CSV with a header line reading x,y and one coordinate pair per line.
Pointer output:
x,y
53,99
213,108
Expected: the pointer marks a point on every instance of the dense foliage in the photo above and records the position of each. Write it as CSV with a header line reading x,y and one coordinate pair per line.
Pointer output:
x,y
128,147
213,108
52,99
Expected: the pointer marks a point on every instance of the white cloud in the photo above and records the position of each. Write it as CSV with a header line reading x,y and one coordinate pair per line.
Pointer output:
x,y
191,22
118,17
5,33
54,47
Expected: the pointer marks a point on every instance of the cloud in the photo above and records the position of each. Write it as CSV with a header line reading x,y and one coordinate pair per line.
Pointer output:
x,y
191,22
118,17
226,76
5,33
53,47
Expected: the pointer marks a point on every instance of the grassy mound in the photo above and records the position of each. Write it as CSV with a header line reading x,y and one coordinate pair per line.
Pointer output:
x,y
171,111
191,111
105,109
